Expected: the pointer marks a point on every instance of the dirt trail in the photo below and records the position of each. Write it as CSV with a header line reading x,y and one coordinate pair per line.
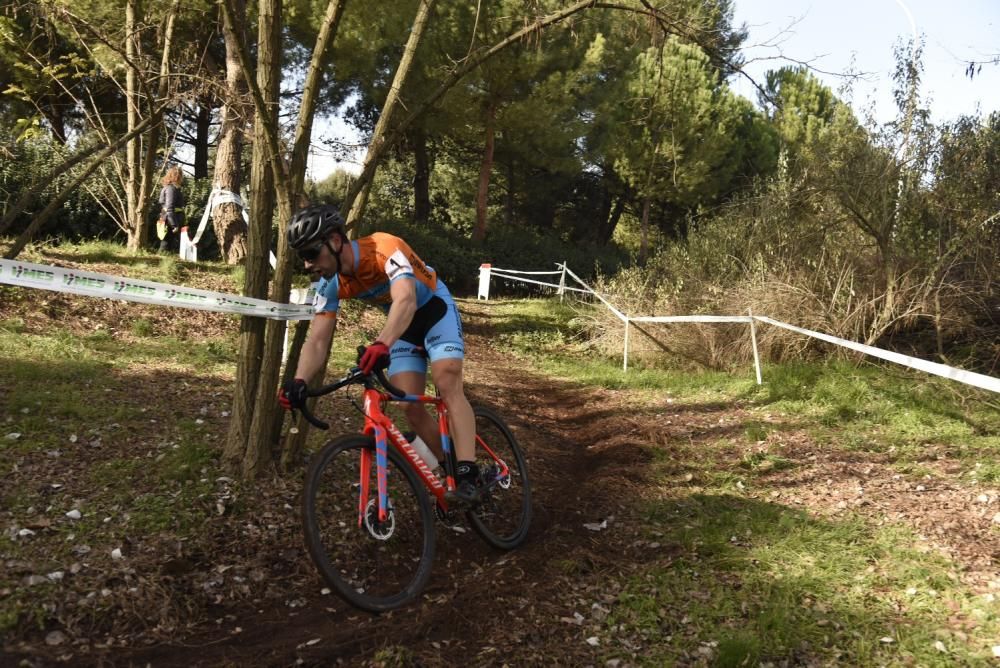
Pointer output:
x,y
482,606
485,607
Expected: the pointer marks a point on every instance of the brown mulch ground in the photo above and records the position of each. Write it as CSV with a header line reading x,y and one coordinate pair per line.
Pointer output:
x,y
482,607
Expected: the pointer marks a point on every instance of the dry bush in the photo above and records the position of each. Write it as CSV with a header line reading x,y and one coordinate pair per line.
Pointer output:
x,y
791,253
839,297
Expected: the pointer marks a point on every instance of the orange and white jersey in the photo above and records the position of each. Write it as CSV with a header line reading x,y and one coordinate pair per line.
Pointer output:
x,y
379,259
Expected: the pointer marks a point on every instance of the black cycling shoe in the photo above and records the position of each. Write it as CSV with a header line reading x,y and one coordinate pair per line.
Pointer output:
x,y
465,494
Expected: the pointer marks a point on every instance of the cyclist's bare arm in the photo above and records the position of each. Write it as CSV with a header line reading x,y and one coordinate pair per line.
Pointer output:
x,y
404,305
317,345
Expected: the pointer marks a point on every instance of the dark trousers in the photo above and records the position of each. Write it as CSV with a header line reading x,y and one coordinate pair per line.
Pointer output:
x,y
170,243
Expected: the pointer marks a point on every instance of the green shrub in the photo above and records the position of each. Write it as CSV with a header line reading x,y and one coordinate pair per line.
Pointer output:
x,y
32,161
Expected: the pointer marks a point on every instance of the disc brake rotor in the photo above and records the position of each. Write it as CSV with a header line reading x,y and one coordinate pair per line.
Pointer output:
x,y
379,530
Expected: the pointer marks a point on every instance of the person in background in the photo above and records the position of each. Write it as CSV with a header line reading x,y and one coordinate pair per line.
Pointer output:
x,y
171,210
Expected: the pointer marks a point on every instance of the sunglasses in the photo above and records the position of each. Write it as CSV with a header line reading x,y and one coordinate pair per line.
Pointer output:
x,y
310,253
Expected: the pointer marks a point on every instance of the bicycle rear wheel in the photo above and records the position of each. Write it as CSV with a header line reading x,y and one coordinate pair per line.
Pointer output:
x,y
377,566
504,515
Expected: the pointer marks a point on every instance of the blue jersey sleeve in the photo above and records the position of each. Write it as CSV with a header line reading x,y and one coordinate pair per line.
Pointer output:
x,y
327,298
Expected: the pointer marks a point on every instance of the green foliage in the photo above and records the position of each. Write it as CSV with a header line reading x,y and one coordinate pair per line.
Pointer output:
x,y
681,126
457,259
43,71
333,189
800,107
30,161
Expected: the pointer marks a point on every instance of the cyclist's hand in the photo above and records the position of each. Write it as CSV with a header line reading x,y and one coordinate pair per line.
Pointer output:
x,y
292,394
375,356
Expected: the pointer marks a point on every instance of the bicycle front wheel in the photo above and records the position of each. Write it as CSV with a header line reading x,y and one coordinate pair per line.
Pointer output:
x,y
379,565
504,514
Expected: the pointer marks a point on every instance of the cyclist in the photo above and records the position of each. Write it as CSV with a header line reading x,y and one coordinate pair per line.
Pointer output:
x,y
422,323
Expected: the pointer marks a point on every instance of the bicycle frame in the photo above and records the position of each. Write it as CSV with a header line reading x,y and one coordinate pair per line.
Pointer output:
x,y
381,428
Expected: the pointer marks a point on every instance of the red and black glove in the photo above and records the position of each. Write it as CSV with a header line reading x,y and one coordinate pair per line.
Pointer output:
x,y
292,394
375,356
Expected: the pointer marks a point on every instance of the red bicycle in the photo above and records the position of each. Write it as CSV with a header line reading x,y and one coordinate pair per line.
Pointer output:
x,y
367,506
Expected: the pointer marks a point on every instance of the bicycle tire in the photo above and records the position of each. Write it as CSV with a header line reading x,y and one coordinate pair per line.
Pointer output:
x,y
503,517
375,567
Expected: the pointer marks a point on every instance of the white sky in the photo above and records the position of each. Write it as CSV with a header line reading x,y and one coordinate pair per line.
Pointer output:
x,y
321,162
830,35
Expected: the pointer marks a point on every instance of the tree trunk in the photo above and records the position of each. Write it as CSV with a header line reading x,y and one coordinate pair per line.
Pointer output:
x,y
202,127
421,177
485,168
508,208
609,228
258,449
252,429
152,144
294,441
601,216
886,314
300,151
239,456
133,147
227,219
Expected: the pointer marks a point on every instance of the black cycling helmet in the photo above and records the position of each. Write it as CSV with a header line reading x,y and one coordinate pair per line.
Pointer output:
x,y
314,224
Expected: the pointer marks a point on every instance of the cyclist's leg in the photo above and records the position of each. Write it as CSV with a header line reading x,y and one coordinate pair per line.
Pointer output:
x,y
408,372
447,374
446,349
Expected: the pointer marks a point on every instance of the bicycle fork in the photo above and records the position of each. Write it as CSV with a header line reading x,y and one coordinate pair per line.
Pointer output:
x,y
381,462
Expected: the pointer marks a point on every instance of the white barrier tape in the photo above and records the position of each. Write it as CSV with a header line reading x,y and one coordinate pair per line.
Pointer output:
x,y
968,377
512,271
693,318
972,378
217,197
621,316
58,279
495,274
225,197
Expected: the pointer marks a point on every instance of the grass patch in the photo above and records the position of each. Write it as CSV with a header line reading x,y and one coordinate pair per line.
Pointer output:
x,y
866,407
141,328
12,325
762,462
759,582
187,460
546,331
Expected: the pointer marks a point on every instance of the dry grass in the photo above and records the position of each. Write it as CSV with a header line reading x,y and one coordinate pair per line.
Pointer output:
x,y
922,315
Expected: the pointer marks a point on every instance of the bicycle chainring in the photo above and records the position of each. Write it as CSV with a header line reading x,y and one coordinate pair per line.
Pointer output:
x,y
449,518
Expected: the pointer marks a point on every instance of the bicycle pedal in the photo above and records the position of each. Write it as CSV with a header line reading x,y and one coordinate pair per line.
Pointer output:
x,y
462,503
449,518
